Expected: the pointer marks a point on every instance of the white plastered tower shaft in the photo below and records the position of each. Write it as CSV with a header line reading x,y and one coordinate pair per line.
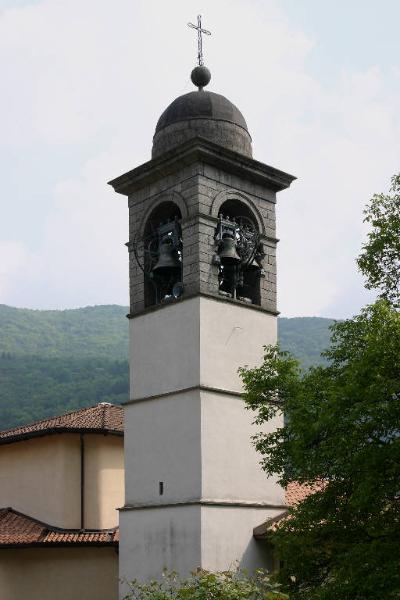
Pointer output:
x,y
194,486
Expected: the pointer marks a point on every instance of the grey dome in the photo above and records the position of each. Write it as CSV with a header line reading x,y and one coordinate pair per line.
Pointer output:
x,y
204,114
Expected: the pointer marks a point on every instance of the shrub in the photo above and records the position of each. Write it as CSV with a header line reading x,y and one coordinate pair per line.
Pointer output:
x,y
204,585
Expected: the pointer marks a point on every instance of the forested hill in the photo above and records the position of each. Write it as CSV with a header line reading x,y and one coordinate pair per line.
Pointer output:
x,y
93,331
305,338
55,361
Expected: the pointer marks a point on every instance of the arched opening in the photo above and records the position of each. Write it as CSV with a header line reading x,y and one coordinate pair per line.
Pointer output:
x,y
162,254
235,209
239,252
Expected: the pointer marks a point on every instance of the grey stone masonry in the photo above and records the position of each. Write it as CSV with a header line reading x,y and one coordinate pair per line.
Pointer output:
x,y
199,176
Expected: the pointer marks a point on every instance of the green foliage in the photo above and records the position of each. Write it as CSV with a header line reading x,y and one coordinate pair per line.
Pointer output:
x,y
35,388
380,259
203,585
52,361
91,332
341,435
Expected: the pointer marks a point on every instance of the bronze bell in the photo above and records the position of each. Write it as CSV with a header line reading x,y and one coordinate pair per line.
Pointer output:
x,y
254,267
168,258
227,251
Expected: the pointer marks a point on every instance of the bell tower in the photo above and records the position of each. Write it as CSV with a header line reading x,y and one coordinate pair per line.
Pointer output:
x,y
202,246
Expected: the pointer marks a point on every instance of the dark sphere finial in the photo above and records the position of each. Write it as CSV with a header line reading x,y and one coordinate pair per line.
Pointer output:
x,y
200,76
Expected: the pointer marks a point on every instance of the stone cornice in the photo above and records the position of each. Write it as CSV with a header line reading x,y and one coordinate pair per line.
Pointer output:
x,y
202,151
199,387
215,297
204,502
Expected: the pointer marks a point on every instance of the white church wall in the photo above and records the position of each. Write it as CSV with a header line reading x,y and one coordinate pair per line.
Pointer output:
x,y
185,537
231,336
164,349
168,351
154,539
163,444
231,468
227,538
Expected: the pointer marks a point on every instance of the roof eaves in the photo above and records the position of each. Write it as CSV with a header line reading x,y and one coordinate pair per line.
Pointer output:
x,y
19,437
261,531
47,530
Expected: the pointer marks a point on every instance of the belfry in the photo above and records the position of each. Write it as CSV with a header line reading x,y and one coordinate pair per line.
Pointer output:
x,y
202,259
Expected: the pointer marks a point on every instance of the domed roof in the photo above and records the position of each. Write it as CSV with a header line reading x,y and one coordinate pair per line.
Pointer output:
x,y
201,104
205,114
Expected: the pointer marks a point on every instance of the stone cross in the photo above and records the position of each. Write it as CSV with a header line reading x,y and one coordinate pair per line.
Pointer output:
x,y
199,38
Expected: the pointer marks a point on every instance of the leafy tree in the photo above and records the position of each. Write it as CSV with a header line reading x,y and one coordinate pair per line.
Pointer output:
x,y
341,438
380,258
203,585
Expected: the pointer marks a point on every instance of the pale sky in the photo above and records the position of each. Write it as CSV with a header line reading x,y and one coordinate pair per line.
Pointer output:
x,y
84,82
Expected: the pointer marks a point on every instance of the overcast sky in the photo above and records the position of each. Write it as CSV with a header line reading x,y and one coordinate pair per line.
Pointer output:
x,y
84,82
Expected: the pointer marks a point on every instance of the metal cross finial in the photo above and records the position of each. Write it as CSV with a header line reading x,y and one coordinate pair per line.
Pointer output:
x,y
199,38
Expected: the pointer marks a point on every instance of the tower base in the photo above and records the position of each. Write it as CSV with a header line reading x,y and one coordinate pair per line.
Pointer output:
x,y
179,537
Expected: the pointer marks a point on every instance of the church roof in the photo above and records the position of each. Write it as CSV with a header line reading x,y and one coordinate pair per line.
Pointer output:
x,y
201,105
297,492
202,114
294,494
101,418
19,530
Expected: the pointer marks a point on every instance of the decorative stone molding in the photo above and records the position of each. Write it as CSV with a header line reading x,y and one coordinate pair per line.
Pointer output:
x,y
174,197
230,194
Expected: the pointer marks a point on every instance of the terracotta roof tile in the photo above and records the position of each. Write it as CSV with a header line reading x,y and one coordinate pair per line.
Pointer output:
x,y
17,529
101,417
294,493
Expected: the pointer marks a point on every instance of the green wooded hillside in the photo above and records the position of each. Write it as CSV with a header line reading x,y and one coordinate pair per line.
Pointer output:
x,y
34,387
93,331
305,338
55,361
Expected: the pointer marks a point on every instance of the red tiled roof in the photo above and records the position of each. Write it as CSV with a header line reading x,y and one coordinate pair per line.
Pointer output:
x,y
103,417
17,529
294,493
297,492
